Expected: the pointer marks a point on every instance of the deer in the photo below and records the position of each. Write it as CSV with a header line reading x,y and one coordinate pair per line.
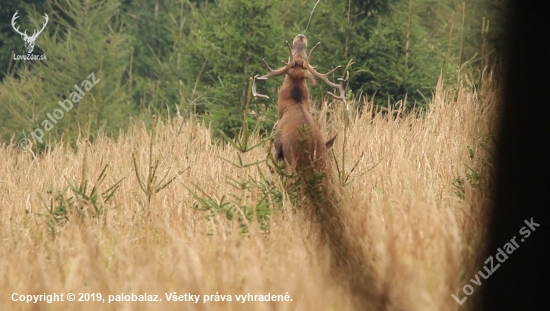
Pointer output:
x,y
29,40
299,142
298,139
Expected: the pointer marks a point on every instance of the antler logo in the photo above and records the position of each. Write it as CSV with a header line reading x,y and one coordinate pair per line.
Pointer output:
x,y
29,40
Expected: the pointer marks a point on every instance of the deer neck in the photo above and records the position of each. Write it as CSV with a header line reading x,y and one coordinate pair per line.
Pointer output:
x,y
293,92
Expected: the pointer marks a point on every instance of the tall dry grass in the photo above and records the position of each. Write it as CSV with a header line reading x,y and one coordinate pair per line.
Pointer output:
x,y
415,206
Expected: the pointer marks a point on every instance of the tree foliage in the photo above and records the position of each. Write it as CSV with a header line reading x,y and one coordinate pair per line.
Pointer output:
x,y
83,43
195,57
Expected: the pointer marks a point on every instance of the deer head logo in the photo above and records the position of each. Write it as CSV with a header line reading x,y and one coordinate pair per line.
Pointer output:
x,y
29,40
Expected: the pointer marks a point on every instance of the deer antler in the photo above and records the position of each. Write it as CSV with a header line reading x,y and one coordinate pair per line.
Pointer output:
x,y
272,73
43,26
34,34
324,77
15,16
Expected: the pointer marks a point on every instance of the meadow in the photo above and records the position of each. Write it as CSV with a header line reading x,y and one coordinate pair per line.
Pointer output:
x,y
416,195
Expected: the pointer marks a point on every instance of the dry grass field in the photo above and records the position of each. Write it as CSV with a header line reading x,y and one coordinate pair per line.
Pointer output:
x,y
415,203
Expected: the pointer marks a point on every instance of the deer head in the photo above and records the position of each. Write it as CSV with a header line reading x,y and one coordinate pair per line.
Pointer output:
x,y
29,40
298,58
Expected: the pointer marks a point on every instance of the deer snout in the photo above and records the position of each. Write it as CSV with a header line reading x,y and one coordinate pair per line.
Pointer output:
x,y
301,39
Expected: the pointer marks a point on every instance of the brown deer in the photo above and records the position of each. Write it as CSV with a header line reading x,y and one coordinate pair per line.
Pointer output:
x,y
299,140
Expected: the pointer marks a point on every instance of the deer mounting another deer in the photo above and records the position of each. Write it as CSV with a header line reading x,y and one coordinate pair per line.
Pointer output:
x,y
298,139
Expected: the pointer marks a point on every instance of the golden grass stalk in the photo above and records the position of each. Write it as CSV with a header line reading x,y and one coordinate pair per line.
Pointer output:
x,y
416,239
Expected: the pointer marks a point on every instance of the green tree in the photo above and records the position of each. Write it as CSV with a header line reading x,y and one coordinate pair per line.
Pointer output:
x,y
85,41
233,40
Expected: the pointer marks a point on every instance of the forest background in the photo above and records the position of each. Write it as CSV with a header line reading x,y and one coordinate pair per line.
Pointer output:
x,y
195,58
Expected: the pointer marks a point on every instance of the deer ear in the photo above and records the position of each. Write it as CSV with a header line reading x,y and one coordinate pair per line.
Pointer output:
x,y
330,142
311,78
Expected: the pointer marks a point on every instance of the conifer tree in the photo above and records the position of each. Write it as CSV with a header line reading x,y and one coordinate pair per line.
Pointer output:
x,y
85,46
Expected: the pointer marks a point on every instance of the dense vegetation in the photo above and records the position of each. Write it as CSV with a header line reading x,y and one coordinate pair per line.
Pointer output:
x,y
166,207
100,218
195,57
